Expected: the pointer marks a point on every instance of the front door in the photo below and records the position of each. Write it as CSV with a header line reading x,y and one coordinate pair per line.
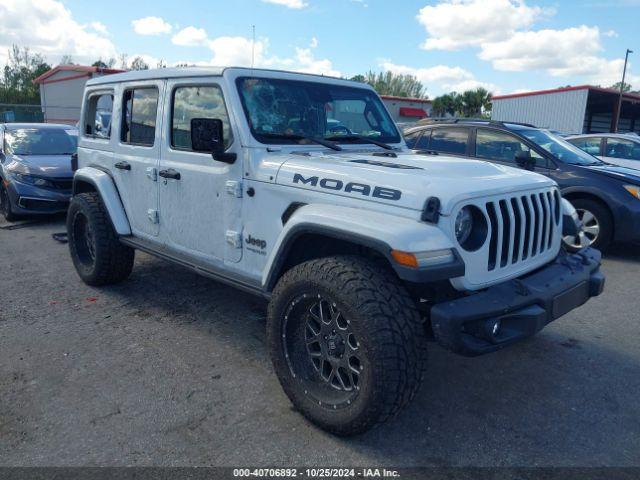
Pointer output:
x,y
137,153
200,198
501,147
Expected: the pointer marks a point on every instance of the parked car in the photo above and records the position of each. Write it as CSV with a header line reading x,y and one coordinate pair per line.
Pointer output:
x,y
35,168
606,197
617,148
251,177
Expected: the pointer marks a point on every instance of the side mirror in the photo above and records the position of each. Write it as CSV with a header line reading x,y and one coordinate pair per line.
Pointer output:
x,y
524,160
207,136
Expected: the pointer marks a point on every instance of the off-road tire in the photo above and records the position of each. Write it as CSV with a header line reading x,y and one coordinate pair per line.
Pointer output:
x,y
111,261
604,219
5,205
389,330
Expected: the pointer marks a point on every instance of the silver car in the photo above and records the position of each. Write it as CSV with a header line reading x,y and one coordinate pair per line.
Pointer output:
x,y
618,148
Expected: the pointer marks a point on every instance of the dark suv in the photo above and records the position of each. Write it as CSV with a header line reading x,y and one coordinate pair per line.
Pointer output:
x,y
607,197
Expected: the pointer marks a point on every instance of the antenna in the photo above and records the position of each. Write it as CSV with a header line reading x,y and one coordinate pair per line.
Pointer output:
x,y
253,44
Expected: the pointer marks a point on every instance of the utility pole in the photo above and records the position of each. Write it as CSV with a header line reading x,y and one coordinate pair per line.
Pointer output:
x,y
624,73
253,45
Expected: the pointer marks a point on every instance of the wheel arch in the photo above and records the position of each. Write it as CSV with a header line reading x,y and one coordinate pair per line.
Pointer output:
x,y
90,179
315,231
574,194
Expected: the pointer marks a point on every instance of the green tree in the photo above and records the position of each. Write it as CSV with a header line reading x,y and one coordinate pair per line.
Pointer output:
x,y
447,104
16,83
625,88
67,60
389,83
102,64
139,64
475,102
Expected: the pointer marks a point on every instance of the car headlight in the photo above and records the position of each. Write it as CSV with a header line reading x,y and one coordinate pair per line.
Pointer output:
x,y
633,190
471,228
31,180
464,225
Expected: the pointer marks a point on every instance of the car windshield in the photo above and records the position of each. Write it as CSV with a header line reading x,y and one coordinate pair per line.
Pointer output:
x,y
41,141
277,109
559,147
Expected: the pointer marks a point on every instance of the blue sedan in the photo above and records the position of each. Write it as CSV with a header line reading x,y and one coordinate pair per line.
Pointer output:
x,y
35,168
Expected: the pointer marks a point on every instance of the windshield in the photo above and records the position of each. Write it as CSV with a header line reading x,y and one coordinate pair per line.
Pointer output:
x,y
560,148
40,141
277,108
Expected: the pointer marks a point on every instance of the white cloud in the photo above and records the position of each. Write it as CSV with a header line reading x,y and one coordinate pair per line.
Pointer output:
x,y
47,27
452,24
543,49
235,51
151,26
313,43
190,37
441,78
99,27
288,3
503,33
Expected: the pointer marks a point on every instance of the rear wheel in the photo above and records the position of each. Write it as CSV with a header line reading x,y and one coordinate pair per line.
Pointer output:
x,y
597,226
346,342
97,254
5,205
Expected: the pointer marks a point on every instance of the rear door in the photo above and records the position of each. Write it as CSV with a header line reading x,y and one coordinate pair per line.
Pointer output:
x,y
137,153
449,140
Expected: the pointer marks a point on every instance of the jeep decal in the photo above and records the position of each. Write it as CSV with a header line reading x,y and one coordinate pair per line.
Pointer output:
x,y
351,187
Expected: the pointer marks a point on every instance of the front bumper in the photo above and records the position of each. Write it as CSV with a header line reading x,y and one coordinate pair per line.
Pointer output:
x,y
29,199
519,307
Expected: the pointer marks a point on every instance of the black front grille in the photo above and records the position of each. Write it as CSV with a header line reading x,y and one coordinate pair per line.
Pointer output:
x,y
521,227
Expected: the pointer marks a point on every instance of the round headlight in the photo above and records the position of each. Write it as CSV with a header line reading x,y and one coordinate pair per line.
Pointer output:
x,y
471,228
464,225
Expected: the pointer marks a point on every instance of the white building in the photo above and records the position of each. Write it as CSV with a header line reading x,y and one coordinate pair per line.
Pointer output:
x,y
61,91
581,109
406,109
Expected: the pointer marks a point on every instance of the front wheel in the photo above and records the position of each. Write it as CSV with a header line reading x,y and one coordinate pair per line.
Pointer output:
x,y
597,226
5,205
346,342
97,254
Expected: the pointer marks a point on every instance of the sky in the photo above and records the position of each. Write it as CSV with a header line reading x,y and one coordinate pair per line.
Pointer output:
x,y
506,46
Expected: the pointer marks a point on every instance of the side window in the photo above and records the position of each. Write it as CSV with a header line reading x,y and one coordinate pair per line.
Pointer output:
x,y
450,140
622,148
97,121
501,146
139,110
197,102
590,144
412,139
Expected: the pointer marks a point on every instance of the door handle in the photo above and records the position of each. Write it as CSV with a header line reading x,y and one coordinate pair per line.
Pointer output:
x,y
170,173
123,166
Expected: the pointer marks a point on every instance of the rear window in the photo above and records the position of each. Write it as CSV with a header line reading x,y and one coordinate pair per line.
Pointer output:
x,y
450,140
140,107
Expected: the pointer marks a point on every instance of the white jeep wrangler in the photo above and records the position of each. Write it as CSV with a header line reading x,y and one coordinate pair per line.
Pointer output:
x,y
299,188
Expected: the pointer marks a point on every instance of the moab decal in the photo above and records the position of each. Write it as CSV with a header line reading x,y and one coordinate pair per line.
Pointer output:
x,y
350,187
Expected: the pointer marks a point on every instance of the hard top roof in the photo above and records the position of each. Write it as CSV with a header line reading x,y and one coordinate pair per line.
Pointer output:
x,y
52,126
190,72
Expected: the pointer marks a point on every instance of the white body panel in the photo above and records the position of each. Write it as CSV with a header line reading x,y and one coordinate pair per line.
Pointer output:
x,y
198,214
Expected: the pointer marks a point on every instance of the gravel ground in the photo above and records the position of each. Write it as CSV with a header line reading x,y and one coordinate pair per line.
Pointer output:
x,y
171,369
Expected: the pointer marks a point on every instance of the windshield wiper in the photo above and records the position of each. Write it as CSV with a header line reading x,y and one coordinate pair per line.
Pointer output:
x,y
291,136
354,136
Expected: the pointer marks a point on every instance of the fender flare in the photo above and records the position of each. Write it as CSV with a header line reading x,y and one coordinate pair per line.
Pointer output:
x,y
378,231
106,188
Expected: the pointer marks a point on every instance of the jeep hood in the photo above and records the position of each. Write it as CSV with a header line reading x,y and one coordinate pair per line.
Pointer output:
x,y
417,177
